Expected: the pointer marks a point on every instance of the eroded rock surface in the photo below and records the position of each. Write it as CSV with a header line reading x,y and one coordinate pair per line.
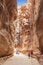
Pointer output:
x,y
7,15
40,27
26,36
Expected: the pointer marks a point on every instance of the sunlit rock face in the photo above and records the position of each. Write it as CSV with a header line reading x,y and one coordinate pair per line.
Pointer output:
x,y
27,27
40,27
22,29
8,9
26,36
34,11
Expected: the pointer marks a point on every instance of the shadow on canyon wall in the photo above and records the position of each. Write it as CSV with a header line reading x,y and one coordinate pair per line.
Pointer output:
x,y
39,26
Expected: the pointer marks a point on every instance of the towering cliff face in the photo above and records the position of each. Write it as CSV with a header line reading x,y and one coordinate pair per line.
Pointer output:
x,y
8,9
26,31
40,26
26,36
35,8
12,8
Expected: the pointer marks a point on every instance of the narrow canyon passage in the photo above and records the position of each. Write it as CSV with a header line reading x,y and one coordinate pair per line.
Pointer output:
x,y
21,32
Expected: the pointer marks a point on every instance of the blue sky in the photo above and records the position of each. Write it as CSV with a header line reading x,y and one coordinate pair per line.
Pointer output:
x,y
21,2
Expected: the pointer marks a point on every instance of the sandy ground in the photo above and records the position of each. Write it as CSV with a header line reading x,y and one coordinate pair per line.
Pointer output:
x,y
18,59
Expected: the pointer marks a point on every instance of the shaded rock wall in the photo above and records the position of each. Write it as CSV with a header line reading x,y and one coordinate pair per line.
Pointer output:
x,y
11,8
8,9
40,26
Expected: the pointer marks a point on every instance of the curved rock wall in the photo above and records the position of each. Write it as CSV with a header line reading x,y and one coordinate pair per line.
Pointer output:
x,y
8,9
40,26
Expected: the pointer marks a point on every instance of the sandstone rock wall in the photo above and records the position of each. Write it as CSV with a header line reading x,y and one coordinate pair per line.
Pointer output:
x,y
40,26
34,16
8,9
26,32
26,37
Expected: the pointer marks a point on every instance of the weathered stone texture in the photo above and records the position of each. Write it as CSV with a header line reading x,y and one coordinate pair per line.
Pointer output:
x,y
27,15
8,9
40,26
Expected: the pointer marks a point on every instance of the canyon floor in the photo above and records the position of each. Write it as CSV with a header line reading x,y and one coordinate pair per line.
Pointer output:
x,y
20,59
